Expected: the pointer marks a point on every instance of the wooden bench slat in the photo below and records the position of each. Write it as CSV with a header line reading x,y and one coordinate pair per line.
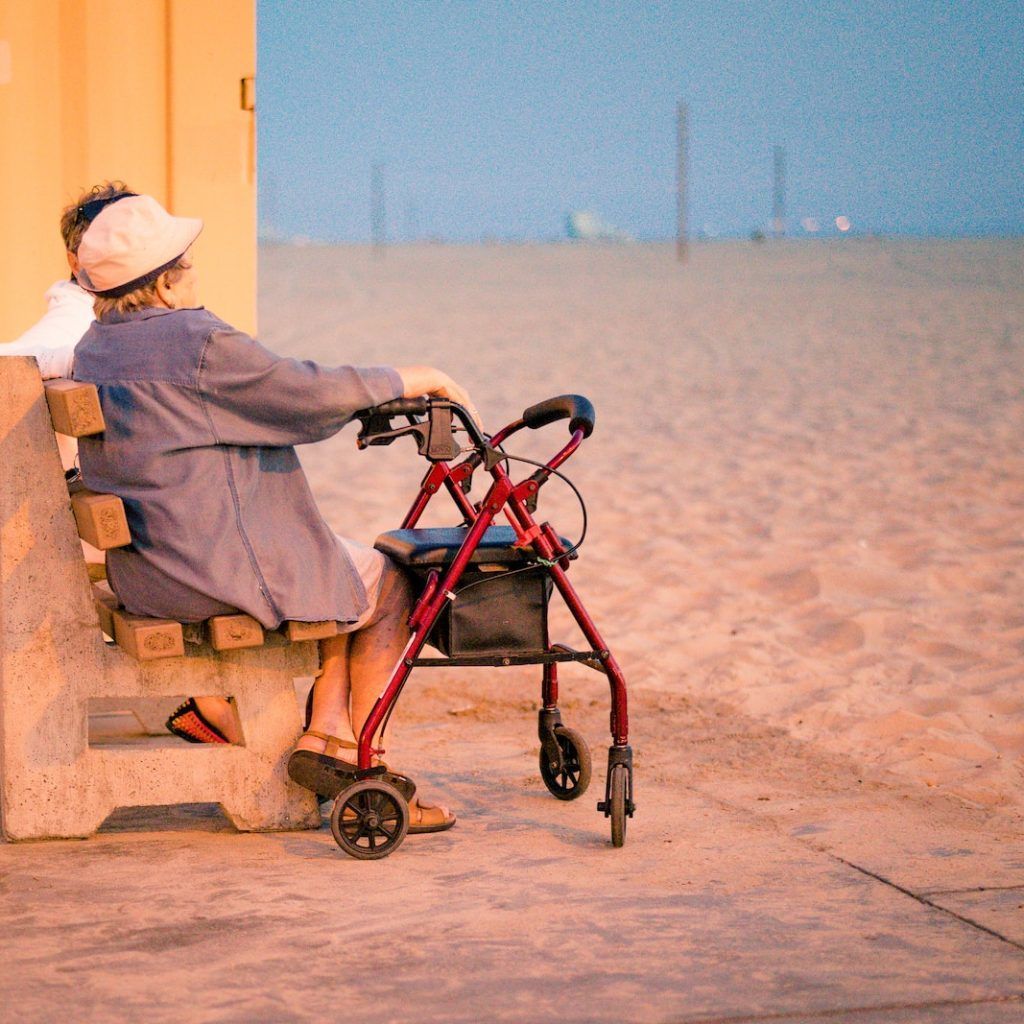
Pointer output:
x,y
297,631
231,632
74,407
147,639
101,519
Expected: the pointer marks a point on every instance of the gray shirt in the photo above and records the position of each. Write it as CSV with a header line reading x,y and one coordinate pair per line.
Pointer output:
x,y
200,426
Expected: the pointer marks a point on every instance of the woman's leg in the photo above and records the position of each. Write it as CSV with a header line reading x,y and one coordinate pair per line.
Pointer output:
x,y
351,683
331,694
220,714
375,652
377,647
357,666
354,669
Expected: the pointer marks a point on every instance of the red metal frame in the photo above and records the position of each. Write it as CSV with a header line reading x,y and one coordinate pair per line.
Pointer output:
x,y
503,495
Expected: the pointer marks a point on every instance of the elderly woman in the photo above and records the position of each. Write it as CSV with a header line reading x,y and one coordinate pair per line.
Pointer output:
x,y
201,424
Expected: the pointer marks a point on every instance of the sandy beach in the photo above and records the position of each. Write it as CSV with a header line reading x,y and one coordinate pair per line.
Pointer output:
x,y
806,486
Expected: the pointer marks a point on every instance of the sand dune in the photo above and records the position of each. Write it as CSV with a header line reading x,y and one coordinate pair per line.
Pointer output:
x,y
806,486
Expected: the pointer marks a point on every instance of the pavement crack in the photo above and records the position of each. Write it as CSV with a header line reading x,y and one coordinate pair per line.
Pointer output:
x,y
973,888
806,1015
923,899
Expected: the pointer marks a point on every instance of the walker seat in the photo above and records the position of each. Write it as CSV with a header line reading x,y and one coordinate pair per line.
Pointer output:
x,y
436,547
500,602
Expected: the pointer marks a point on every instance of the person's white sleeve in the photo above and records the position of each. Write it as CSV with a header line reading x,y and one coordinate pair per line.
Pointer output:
x,y
53,362
52,339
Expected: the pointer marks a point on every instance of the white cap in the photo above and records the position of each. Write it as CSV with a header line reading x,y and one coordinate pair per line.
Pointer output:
x,y
128,240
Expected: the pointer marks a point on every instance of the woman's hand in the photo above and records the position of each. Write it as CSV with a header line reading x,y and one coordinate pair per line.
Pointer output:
x,y
425,380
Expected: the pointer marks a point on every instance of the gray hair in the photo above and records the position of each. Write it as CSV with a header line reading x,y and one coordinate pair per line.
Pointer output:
x,y
144,295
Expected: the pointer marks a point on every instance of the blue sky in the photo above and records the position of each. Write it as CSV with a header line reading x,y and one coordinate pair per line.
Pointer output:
x,y
494,119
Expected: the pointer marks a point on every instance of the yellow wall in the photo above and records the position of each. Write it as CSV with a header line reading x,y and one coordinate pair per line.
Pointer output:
x,y
143,90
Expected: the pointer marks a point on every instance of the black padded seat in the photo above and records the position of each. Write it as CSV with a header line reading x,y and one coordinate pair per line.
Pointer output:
x,y
437,546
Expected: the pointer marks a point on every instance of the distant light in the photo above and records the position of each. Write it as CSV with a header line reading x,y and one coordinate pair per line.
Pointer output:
x,y
843,223
810,225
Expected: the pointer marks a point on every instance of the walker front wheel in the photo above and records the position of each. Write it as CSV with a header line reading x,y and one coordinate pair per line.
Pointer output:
x,y
618,795
370,819
569,781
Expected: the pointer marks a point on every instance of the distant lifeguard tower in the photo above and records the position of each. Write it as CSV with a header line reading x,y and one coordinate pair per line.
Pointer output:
x,y
159,93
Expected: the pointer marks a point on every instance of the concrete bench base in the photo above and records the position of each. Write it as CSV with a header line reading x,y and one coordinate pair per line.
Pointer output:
x,y
53,661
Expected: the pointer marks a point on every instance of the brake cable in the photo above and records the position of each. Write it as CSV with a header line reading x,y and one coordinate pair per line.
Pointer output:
x,y
538,562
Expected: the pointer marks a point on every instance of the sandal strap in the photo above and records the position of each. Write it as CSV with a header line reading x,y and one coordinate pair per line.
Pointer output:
x,y
334,743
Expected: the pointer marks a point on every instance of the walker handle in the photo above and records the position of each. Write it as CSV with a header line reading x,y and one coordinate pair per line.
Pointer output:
x,y
574,408
401,407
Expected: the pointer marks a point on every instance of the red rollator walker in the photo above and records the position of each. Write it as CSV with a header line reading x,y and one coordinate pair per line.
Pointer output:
x,y
483,601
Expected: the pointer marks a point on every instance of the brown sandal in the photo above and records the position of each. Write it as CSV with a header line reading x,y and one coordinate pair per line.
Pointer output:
x,y
418,823
327,775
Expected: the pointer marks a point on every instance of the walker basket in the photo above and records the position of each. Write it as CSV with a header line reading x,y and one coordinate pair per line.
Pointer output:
x,y
496,611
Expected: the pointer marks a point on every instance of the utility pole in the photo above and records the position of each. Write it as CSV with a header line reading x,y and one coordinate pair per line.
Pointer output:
x,y
412,222
779,192
681,159
378,211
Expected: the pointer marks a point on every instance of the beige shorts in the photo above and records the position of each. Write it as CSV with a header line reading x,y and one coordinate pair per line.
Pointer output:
x,y
369,564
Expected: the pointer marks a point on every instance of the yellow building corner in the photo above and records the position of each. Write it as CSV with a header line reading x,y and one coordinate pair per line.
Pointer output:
x,y
158,93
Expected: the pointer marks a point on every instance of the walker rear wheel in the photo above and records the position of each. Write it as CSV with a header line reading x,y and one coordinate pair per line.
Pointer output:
x,y
370,819
618,796
571,780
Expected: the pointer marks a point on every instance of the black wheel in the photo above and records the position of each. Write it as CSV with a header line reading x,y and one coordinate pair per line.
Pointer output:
x,y
572,781
618,795
370,819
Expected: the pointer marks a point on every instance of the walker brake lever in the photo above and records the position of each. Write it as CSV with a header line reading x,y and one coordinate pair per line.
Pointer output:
x,y
376,429
375,422
436,440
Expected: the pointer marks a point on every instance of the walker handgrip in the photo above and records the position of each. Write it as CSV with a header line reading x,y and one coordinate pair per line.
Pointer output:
x,y
401,407
574,408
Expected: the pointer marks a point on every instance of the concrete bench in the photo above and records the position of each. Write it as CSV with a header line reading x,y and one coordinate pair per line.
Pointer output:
x,y
54,663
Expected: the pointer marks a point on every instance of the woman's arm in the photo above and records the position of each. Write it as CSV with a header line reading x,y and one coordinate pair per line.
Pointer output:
x,y
253,397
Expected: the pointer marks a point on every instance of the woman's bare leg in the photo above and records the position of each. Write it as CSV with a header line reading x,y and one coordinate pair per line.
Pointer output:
x,y
350,685
331,696
357,666
354,669
377,647
375,653
219,713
